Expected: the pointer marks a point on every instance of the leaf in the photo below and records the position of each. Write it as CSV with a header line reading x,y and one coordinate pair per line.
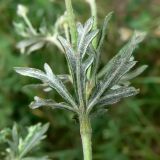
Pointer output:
x,y
31,72
88,25
39,102
70,54
87,41
125,69
85,66
83,33
88,62
103,32
117,67
108,79
65,78
49,78
101,41
35,135
118,70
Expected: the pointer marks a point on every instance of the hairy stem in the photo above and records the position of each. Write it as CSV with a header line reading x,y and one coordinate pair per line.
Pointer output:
x,y
71,22
86,134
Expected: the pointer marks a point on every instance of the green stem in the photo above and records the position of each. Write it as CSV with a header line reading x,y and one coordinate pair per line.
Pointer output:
x,y
93,7
86,134
71,22
29,25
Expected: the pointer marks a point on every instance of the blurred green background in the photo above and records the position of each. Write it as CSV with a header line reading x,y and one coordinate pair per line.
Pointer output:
x,y
130,130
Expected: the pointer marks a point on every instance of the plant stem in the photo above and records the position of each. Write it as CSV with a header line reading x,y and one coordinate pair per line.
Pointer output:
x,y
29,24
71,22
86,134
93,7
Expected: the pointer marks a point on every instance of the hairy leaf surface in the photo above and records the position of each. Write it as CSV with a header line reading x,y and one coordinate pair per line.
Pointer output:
x,y
51,79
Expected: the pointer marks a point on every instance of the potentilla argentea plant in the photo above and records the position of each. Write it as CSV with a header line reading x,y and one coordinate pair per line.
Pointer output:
x,y
94,90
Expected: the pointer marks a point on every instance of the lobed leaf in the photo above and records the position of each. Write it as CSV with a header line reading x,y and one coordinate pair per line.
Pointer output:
x,y
117,67
49,78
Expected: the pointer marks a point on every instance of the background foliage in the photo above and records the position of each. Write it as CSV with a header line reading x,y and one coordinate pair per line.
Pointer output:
x,y
130,129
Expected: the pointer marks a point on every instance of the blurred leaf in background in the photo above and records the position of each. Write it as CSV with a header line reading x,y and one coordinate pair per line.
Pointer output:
x,y
20,147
